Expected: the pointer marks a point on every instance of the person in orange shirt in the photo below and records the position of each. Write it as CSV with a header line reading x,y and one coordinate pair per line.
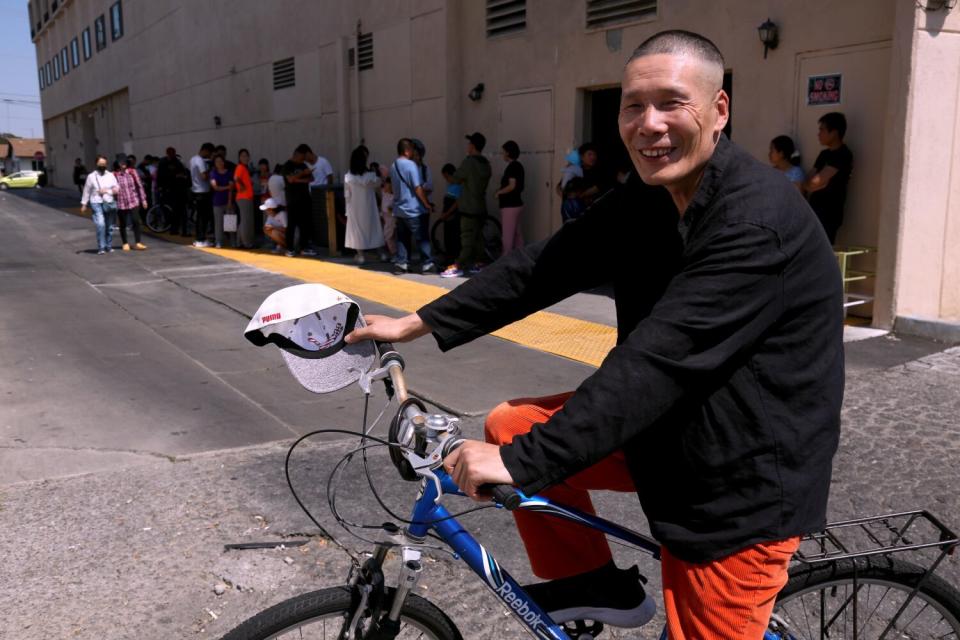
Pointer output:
x,y
244,187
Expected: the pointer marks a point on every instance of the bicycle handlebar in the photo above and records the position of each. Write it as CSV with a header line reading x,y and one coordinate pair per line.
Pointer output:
x,y
504,494
393,361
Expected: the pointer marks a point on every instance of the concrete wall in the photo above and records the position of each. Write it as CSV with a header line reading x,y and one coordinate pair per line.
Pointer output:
x,y
926,266
181,63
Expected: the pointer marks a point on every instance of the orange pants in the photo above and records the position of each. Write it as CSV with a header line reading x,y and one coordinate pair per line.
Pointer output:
x,y
730,598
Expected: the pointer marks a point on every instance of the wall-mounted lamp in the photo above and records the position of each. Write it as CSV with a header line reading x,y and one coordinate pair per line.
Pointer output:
x,y
476,93
768,36
216,121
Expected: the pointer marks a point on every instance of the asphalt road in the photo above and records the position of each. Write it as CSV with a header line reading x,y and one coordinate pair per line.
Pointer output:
x,y
139,433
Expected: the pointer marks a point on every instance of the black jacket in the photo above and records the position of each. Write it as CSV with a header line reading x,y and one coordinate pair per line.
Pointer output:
x,y
726,383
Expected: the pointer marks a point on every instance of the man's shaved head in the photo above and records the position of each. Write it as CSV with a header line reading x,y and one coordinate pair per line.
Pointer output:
x,y
679,42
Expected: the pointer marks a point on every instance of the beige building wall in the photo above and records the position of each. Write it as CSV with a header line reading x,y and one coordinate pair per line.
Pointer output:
x,y
181,64
922,212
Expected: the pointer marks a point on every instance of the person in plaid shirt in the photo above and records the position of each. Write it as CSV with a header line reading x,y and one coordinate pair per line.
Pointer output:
x,y
129,200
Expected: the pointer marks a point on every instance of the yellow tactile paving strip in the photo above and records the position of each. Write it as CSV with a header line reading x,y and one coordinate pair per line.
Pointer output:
x,y
587,342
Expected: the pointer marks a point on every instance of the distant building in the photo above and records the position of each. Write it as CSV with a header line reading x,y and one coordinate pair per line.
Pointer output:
x,y
20,154
122,76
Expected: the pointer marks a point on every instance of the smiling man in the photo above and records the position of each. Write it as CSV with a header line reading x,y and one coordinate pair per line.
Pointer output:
x,y
720,404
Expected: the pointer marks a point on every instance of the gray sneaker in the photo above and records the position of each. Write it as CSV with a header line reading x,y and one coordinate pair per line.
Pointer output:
x,y
427,267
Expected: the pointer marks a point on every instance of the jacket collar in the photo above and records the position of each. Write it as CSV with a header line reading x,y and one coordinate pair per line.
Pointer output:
x,y
708,189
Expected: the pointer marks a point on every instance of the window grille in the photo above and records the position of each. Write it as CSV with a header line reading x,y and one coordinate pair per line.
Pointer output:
x,y
87,49
603,13
100,27
365,51
284,74
506,16
116,21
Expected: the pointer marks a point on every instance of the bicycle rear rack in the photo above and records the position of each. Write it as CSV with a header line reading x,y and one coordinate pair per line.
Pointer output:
x,y
878,535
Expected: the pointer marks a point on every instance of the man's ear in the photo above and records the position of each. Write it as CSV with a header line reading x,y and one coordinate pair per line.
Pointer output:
x,y
723,110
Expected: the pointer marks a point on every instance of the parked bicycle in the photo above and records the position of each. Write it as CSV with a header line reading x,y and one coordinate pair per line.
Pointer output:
x,y
492,232
159,217
849,581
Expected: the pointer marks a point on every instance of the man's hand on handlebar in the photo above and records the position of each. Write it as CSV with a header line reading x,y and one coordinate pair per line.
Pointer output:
x,y
476,463
387,329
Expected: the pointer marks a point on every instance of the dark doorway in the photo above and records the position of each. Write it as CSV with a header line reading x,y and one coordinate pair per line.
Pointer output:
x,y
601,108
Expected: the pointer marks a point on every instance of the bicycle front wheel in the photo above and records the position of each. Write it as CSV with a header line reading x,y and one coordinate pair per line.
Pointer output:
x,y
821,601
158,218
322,614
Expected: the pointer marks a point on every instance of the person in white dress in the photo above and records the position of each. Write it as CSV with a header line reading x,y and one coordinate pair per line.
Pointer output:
x,y
363,218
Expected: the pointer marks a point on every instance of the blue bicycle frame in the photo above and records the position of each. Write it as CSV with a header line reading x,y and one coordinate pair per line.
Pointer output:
x,y
430,514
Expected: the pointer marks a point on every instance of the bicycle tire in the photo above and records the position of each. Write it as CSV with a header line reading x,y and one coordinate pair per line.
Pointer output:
x,y
158,218
334,602
492,233
831,583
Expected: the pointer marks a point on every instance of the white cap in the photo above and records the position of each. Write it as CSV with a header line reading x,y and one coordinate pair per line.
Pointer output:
x,y
309,322
269,203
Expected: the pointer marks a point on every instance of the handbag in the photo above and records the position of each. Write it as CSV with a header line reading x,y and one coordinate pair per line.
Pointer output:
x,y
230,222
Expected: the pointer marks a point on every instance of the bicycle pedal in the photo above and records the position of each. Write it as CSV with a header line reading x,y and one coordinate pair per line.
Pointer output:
x,y
582,630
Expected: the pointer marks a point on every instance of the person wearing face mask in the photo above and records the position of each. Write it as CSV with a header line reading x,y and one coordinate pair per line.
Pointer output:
x,y
100,192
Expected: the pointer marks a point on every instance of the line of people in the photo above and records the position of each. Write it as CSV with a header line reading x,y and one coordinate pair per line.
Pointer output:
x,y
388,208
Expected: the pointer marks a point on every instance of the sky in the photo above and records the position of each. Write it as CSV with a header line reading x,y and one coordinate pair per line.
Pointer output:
x,y
18,73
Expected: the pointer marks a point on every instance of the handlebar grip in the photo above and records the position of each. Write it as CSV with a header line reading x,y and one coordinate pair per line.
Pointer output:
x,y
385,348
504,494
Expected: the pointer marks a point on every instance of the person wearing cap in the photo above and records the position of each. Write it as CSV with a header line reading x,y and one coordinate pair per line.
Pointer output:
x,y
130,198
275,223
720,403
474,174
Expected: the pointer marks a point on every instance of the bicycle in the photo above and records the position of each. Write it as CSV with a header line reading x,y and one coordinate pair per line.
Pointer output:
x,y
492,232
829,594
159,217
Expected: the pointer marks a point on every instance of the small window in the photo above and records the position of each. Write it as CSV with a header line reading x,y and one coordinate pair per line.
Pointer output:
x,y
506,16
365,51
284,74
56,68
43,80
75,52
65,61
48,73
100,27
116,21
87,49
603,13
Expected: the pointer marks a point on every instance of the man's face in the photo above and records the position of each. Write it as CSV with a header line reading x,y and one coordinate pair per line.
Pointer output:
x,y
671,115
824,136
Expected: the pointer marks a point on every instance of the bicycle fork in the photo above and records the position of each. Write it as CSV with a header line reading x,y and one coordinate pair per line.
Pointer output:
x,y
369,595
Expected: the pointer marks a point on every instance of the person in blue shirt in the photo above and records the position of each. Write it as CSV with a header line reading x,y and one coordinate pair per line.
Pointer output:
x,y
411,210
785,157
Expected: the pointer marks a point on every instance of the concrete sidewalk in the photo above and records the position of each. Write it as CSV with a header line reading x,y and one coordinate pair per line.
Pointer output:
x,y
114,523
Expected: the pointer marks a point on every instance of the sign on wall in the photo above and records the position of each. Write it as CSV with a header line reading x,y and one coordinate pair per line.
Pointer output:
x,y
822,90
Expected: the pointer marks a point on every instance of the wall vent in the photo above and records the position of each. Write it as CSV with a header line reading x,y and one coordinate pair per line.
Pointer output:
x,y
603,13
506,16
365,51
284,74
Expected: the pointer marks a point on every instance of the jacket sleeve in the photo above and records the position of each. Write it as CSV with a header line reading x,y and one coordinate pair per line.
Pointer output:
x,y
727,294
527,280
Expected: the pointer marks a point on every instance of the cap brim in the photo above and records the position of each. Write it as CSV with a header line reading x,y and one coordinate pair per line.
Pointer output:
x,y
334,372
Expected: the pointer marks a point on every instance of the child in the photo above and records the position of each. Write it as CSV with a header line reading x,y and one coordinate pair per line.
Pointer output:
x,y
386,215
450,215
275,225
573,205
